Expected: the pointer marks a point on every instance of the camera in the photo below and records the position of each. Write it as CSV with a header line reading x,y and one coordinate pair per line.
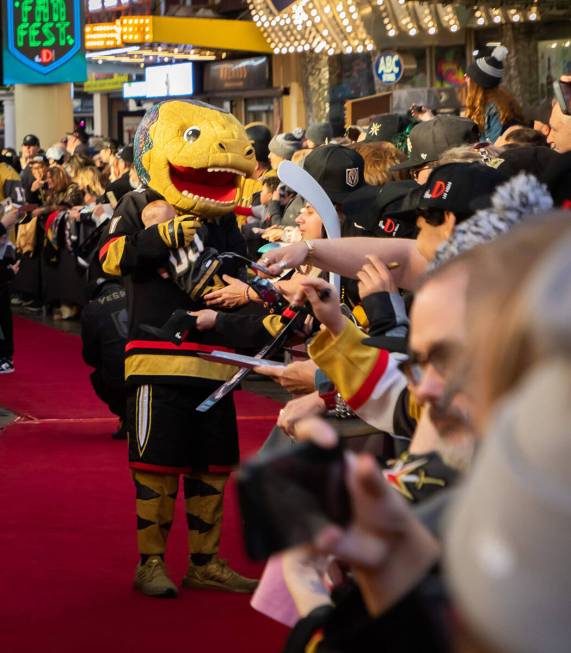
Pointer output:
x,y
286,498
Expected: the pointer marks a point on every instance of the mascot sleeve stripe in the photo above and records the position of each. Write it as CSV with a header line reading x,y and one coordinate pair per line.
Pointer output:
x,y
185,346
111,254
366,389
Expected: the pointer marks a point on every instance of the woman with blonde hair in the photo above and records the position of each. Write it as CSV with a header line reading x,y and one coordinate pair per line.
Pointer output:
x,y
490,106
90,181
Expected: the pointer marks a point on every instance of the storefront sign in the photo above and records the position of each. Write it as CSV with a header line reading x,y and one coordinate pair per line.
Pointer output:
x,y
239,75
389,67
113,83
125,30
43,41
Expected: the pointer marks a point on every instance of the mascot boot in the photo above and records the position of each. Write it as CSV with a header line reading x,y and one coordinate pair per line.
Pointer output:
x,y
204,495
156,497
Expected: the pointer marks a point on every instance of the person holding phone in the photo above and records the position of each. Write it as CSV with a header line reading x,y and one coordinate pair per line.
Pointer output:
x,y
559,137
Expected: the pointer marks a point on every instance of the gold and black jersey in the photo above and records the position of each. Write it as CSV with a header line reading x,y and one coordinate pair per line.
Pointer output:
x,y
141,256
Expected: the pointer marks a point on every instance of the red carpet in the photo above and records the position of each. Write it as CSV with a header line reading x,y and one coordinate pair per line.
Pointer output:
x,y
68,524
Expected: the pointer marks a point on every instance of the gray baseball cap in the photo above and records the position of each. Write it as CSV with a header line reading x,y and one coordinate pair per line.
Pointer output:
x,y
430,139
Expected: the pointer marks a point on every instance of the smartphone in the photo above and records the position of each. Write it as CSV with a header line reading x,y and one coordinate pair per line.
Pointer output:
x,y
562,92
286,498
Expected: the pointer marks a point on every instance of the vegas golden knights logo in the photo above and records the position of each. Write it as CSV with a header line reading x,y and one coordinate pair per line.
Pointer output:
x,y
352,177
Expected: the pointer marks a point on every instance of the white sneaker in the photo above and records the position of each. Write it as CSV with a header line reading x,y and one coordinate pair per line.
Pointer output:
x,y
6,366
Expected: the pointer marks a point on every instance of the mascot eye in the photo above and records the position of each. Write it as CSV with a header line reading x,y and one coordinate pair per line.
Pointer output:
x,y
191,134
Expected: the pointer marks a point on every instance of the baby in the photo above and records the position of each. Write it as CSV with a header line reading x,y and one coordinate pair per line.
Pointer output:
x,y
157,212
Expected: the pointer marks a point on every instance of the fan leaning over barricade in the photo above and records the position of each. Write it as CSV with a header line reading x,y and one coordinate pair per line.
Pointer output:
x,y
192,156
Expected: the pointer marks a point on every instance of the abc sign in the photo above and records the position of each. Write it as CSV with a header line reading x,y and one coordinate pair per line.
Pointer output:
x,y
389,67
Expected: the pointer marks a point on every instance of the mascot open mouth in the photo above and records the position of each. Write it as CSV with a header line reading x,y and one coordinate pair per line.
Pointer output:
x,y
214,184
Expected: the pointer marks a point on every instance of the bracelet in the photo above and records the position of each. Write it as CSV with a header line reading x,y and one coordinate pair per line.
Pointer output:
x,y
342,410
247,294
310,250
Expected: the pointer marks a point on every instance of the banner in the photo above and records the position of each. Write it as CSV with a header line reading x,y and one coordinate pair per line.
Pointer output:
x,y
43,41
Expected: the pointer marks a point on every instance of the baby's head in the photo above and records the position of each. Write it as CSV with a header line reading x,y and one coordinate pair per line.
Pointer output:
x,y
157,212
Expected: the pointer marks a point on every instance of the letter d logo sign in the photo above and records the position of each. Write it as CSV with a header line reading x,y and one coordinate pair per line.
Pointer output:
x,y
47,56
438,190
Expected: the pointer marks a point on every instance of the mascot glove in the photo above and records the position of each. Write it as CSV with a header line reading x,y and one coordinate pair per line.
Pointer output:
x,y
179,232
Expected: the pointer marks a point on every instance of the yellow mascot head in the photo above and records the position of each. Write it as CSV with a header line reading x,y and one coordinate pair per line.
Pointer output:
x,y
194,155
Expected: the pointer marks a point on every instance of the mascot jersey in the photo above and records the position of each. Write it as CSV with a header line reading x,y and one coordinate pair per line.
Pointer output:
x,y
194,156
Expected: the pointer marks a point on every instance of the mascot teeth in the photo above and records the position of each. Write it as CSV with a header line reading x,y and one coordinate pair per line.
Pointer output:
x,y
231,170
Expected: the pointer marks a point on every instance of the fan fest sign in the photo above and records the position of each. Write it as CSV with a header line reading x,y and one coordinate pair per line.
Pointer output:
x,y
43,42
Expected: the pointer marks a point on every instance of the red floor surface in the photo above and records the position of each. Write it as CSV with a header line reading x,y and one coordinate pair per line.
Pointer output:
x,y
68,524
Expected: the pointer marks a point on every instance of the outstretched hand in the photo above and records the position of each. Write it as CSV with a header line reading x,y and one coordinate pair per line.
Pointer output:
x,y
374,277
277,260
233,294
324,301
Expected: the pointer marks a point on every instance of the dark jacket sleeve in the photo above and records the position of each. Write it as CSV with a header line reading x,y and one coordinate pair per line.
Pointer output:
x,y
245,331
275,212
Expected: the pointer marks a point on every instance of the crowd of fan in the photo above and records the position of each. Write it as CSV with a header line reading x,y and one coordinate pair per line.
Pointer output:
x,y
444,366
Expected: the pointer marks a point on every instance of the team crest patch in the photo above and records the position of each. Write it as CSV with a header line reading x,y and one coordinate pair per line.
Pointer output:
x,y
352,177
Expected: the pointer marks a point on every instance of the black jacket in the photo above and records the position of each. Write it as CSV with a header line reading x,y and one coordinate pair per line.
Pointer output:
x,y
104,333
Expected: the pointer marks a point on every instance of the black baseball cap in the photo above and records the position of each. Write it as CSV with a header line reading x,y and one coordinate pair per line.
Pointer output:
x,y
31,139
260,137
533,159
338,169
385,127
430,139
386,211
126,154
460,187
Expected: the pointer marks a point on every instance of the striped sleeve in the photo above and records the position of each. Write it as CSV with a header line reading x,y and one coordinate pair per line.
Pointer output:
x,y
111,255
366,377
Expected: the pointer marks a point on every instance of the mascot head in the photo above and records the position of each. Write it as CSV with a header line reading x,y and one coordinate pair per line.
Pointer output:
x,y
194,155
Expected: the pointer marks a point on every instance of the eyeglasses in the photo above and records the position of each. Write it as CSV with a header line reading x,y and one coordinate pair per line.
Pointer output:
x,y
415,172
442,358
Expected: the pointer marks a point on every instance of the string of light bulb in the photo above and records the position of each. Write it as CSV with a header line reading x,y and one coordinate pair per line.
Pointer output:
x,y
338,27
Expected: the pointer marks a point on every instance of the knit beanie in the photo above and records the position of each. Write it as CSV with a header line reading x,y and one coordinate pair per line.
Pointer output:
x,y
286,144
488,72
320,133
260,136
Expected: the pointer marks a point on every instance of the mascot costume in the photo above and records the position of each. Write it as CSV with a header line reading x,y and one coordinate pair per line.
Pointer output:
x,y
194,157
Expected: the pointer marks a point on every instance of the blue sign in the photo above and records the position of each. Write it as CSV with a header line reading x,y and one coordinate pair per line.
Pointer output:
x,y
43,42
389,67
